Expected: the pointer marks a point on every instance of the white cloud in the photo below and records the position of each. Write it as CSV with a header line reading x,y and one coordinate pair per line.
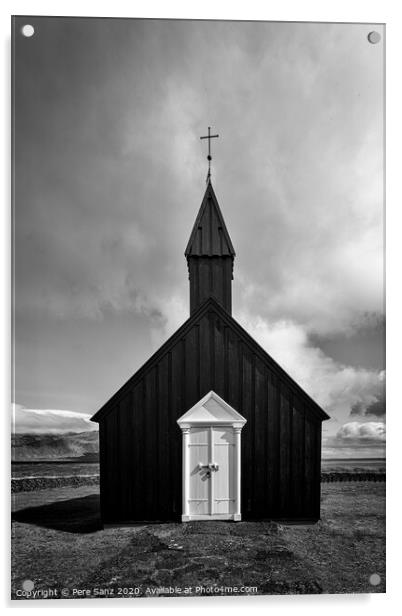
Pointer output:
x,y
370,430
39,421
336,387
356,439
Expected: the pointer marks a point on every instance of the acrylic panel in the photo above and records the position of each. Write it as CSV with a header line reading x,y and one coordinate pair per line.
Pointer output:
x,y
198,206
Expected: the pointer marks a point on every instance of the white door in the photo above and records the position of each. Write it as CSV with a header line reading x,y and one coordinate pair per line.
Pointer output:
x,y
211,444
212,480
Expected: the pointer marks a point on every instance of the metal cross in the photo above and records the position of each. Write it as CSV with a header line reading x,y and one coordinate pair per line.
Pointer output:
x,y
209,157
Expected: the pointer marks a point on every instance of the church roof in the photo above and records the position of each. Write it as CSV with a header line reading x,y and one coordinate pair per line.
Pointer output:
x,y
211,305
209,236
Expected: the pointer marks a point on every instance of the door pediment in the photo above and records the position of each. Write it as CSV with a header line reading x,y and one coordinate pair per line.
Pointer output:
x,y
211,410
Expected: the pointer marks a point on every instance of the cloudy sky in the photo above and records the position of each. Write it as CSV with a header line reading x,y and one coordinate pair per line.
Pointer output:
x,y
110,173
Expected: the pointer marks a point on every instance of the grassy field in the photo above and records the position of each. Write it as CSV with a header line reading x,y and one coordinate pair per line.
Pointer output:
x,y
58,544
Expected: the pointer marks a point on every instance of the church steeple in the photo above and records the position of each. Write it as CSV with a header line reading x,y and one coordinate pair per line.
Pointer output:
x,y
210,255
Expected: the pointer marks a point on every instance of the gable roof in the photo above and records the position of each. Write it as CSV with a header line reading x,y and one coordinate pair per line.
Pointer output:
x,y
211,409
209,236
211,305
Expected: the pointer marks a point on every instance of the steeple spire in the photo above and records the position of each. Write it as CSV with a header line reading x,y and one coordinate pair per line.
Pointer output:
x,y
210,255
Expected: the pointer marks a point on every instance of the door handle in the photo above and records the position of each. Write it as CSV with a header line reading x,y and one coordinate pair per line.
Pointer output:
x,y
211,466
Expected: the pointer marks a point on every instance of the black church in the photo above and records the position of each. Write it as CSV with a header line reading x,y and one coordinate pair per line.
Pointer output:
x,y
210,427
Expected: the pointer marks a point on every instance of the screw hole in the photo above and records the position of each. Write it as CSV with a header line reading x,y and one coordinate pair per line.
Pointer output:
x,y
28,30
375,579
374,37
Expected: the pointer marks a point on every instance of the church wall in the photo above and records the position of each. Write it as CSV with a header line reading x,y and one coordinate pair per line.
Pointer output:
x,y
141,475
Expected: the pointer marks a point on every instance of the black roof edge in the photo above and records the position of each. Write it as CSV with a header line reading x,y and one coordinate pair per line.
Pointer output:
x,y
212,302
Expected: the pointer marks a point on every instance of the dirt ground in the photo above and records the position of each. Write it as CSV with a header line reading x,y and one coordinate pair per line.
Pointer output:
x,y
59,550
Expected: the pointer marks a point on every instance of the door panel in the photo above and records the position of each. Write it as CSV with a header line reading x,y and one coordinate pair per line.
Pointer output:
x,y
223,478
199,501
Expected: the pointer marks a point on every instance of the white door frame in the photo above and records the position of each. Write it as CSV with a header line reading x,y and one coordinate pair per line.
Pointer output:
x,y
209,412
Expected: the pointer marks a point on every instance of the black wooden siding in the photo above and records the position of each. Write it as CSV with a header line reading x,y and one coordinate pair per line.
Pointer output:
x,y
210,277
141,443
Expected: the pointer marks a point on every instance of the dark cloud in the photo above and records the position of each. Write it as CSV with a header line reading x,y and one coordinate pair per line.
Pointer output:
x,y
358,408
376,408
110,168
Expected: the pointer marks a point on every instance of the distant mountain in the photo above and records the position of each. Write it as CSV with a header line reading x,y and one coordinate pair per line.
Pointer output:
x,y
35,447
